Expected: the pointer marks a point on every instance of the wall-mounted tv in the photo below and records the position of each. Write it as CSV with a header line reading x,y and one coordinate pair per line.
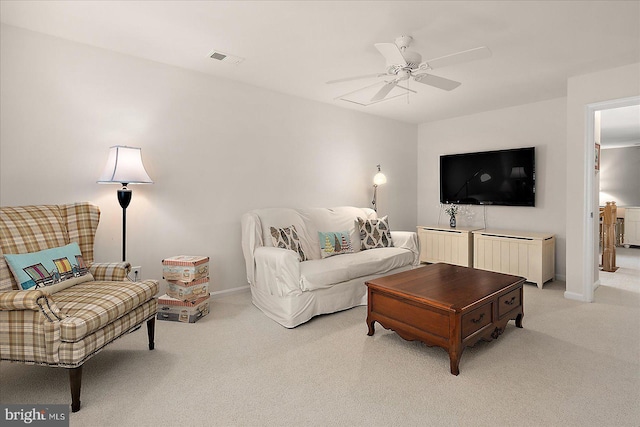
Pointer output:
x,y
504,177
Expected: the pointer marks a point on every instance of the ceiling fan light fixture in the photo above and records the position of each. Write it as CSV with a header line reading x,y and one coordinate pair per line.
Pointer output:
x,y
403,64
413,58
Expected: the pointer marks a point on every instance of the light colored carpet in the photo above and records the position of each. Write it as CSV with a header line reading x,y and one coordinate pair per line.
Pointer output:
x,y
627,276
573,364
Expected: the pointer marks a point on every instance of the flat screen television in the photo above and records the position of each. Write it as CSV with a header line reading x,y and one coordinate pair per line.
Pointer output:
x,y
504,177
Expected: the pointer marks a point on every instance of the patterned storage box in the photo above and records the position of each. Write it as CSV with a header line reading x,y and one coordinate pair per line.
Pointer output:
x,y
188,291
185,268
182,311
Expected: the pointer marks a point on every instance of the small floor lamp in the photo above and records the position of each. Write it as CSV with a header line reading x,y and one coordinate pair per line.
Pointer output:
x,y
124,166
378,179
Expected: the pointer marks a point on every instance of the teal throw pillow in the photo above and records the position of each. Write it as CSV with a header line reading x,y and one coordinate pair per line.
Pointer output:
x,y
334,243
50,270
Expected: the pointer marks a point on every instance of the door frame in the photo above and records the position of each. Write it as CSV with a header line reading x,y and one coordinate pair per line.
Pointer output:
x,y
591,205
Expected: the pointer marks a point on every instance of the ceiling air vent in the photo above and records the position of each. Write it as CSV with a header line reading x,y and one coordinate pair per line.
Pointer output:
x,y
225,57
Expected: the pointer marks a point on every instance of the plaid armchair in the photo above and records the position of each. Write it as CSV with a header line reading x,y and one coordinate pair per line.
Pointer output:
x,y
68,327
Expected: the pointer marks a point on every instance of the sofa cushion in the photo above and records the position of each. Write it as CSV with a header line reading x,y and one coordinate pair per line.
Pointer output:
x,y
333,219
316,274
50,269
334,243
374,233
93,305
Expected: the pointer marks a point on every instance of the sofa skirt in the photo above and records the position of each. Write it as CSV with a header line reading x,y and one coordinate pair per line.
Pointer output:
x,y
294,310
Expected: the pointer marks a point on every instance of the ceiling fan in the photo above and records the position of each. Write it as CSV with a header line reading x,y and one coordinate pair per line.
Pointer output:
x,y
403,64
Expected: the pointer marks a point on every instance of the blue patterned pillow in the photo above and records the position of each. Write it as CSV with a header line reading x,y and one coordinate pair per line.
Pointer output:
x,y
334,243
50,270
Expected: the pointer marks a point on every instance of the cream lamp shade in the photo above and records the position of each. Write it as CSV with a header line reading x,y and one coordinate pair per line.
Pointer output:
x,y
379,179
124,166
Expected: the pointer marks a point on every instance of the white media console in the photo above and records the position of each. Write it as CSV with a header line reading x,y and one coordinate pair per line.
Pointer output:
x,y
527,254
446,244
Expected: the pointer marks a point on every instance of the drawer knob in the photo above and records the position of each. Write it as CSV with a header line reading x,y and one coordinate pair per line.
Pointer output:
x,y
479,319
511,301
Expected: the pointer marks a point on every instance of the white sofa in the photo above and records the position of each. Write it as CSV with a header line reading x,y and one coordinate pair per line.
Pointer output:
x,y
291,291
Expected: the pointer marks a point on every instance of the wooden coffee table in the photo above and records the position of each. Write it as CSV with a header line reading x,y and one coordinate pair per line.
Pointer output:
x,y
446,305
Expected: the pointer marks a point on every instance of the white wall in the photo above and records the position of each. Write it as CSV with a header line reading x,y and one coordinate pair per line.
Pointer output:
x,y
616,83
541,125
620,176
214,148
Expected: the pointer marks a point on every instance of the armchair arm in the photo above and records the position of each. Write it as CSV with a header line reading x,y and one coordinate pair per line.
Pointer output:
x,y
110,271
277,271
31,327
35,300
407,240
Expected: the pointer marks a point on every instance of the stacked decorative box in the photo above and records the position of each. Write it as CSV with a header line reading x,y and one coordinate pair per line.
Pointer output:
x,y
187,297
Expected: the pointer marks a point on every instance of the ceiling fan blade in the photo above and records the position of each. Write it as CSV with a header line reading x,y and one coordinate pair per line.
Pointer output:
x,y
391,53
384,91
347,79
439,82
458,58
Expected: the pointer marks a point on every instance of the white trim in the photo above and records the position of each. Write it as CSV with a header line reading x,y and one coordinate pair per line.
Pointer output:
x,y
574,296
225,292
590,258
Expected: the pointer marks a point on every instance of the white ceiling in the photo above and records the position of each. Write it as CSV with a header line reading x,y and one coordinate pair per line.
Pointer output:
x,y
294,47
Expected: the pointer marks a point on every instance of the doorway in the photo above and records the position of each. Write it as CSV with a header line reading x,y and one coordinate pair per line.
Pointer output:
x,y
632,266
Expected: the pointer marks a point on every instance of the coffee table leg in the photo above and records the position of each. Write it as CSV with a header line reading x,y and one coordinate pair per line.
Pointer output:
x,y
454,361
519,320
455,352
371,326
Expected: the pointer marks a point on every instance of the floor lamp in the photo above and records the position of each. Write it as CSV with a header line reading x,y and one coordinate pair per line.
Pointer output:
x,y
124,166
378,179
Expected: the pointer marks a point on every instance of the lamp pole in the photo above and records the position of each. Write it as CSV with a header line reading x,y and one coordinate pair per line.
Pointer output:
x,y
124,198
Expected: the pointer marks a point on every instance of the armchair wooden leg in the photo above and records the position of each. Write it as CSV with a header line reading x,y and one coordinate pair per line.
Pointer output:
x,y
151,327
75,379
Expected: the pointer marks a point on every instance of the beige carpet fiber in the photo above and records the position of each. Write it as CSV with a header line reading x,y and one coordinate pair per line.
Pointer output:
x,y
573,364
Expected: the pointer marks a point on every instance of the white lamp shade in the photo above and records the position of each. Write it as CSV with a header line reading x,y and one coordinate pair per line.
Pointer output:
x,y
379,179
124,166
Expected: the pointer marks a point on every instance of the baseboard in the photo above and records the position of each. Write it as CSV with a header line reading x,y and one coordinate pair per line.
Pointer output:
x,y
574,296
231,291
560,277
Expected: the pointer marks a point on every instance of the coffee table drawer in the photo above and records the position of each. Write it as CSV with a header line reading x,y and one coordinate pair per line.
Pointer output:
x,y
424,318
508,302
476,319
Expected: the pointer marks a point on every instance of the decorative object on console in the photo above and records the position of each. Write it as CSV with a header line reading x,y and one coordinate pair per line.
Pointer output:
x,y
334,243
452,211
124,166
375,233
378,179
